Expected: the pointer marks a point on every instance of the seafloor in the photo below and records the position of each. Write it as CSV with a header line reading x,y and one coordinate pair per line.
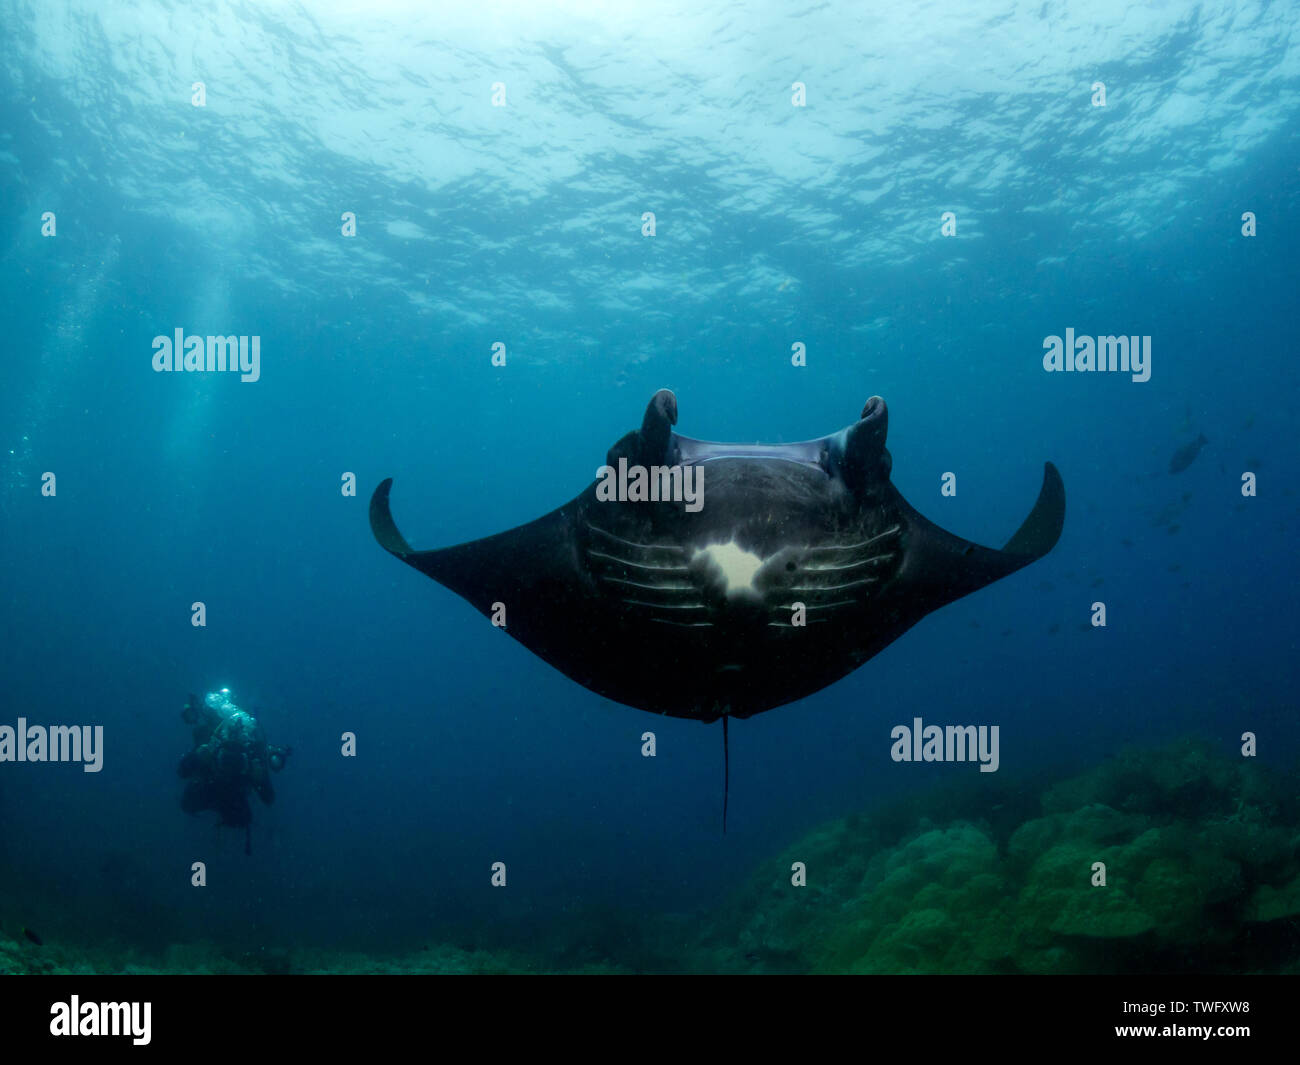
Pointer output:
x,y
1202,863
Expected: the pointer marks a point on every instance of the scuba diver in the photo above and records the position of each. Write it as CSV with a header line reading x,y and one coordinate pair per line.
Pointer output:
x,y
230,758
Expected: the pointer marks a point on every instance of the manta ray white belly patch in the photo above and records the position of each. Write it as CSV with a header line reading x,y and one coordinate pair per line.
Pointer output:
x,y
736,565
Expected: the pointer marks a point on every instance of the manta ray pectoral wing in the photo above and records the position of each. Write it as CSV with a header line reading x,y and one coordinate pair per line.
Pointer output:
x,y
383,526
944,567
1039,532
530,569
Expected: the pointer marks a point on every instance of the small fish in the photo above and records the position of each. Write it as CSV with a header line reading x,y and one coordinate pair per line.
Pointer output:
x,y
1169,512
1186,454
1054,629
1098,582
33,937
1127,542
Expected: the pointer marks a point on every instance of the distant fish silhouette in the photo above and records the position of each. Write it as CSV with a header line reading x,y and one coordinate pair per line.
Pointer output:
x,y
1168,513
1186,454
33,937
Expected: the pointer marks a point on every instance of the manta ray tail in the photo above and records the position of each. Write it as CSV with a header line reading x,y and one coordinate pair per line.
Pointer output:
x,y
726,774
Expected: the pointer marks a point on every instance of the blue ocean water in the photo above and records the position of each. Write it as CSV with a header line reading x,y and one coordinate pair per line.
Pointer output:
x,y
499,162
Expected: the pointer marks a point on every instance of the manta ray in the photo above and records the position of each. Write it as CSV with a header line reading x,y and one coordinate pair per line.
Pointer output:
x,y
795,565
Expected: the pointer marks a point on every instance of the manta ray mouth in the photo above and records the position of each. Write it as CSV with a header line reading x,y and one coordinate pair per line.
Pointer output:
x,y
863,441
690,452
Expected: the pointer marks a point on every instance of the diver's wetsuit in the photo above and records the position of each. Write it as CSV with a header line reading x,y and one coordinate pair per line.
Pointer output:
x,y
230,758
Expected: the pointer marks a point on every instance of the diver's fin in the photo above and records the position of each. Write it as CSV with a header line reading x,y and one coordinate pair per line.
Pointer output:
x,y
726,774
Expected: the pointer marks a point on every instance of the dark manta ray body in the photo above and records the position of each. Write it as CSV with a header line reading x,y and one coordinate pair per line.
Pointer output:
x,y
694,613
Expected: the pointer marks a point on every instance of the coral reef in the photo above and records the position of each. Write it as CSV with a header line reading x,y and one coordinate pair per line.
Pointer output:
x,y
1202,874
